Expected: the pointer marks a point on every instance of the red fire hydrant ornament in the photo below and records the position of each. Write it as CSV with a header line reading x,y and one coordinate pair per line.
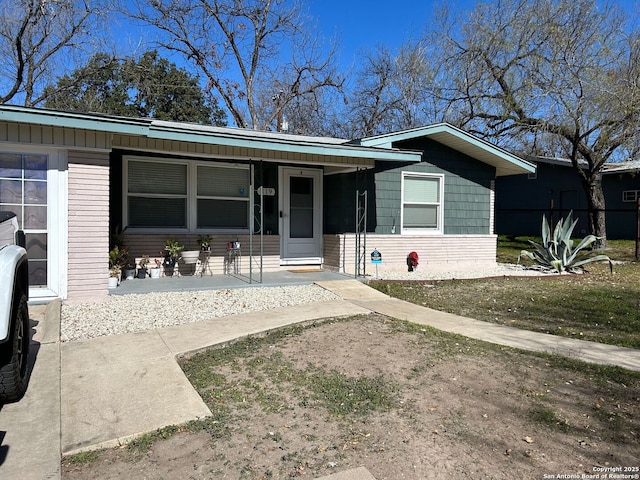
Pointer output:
x,y
412,261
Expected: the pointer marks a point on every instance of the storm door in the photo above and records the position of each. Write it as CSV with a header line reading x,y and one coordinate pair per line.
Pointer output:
x,y
301,216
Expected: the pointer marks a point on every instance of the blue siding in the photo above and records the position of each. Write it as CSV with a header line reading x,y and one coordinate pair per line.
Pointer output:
x,y
467,192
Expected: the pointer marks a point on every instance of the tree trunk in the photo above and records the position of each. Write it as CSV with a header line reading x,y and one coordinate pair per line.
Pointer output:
x,y
596,206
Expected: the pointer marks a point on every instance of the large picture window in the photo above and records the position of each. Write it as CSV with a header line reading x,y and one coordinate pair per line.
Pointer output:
x,y
421,203
186,195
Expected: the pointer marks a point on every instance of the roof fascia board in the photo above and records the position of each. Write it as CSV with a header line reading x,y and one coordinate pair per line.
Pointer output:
x,y
167,131
52,118
340,150
387,140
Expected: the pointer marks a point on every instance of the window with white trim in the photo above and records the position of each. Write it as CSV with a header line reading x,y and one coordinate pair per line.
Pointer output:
x,y
630,195
422,196
223,200
186,195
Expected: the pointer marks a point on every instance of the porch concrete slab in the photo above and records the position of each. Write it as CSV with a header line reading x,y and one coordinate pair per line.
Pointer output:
x,y
504,335
30,428
360,473
219,281
182,339
116,388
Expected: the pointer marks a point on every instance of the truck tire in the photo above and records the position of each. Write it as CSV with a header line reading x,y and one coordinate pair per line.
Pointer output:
x,y
14,368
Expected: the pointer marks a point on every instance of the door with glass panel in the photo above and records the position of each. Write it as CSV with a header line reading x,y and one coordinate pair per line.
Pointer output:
x,y
301,215
23,190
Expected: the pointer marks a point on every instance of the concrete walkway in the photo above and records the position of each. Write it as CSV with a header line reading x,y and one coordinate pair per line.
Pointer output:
x,y
30,429
592,352
100,392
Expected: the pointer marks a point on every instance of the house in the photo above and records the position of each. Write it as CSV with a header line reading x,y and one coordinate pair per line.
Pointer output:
x,y
555,189
74,179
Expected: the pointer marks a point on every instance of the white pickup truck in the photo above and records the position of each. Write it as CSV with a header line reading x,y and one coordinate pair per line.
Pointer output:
x,y
15,329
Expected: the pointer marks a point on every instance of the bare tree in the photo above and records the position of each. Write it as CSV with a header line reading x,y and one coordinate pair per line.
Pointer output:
x,y
373,101
391,91
38,40
545,75
247,50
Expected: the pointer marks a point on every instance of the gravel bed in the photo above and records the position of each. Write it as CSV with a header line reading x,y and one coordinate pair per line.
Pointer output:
x,y
500,270
139,312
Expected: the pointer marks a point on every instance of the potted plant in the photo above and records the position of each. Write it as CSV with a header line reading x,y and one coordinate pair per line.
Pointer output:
x,y
205,242
114,267
190,257
127,266
129,272
142,271
172,249
119,255
155,271
114,276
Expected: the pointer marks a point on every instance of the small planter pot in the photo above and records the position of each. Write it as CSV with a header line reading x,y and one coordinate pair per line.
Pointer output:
x,y
190,257
155,273
129,273
169,264
142,273
113,282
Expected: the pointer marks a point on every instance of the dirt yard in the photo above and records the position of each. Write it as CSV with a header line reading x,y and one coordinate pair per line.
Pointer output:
x,y
403,401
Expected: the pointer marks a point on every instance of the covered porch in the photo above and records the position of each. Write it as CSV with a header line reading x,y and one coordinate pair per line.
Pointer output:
x,y
280,278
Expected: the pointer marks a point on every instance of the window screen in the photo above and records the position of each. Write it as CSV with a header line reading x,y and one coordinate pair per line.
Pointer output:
x,y
421,202
157,194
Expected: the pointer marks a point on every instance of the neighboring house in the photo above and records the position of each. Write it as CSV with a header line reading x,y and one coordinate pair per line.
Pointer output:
x,y
73,179
555,189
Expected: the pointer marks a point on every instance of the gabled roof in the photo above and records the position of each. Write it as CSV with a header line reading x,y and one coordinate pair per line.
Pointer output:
x,y
203,134
504,162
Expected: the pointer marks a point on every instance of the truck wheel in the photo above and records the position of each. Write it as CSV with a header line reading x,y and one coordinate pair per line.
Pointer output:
x,y
14,369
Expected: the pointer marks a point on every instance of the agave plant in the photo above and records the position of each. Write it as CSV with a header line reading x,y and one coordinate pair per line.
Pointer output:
x,y
558,253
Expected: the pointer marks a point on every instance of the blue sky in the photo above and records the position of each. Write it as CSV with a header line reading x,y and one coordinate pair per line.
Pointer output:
x,y
364,24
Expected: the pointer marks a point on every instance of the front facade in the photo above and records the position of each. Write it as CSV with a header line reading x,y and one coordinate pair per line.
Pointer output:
x,y
74,180
442,207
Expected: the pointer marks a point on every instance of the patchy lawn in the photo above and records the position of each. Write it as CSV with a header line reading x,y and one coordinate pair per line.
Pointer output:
x,y
402,400
596,306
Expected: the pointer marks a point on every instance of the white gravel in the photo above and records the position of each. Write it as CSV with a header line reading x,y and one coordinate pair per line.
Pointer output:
x,y
139,312
500,270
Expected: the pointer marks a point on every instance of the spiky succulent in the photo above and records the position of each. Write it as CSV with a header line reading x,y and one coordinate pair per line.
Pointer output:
x,y
557,252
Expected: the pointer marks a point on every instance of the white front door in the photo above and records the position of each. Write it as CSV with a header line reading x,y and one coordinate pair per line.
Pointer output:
x,y
301,216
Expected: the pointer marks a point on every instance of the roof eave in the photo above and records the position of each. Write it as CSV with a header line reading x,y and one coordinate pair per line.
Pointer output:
x,y
53,118
175,132
504,162
162,131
